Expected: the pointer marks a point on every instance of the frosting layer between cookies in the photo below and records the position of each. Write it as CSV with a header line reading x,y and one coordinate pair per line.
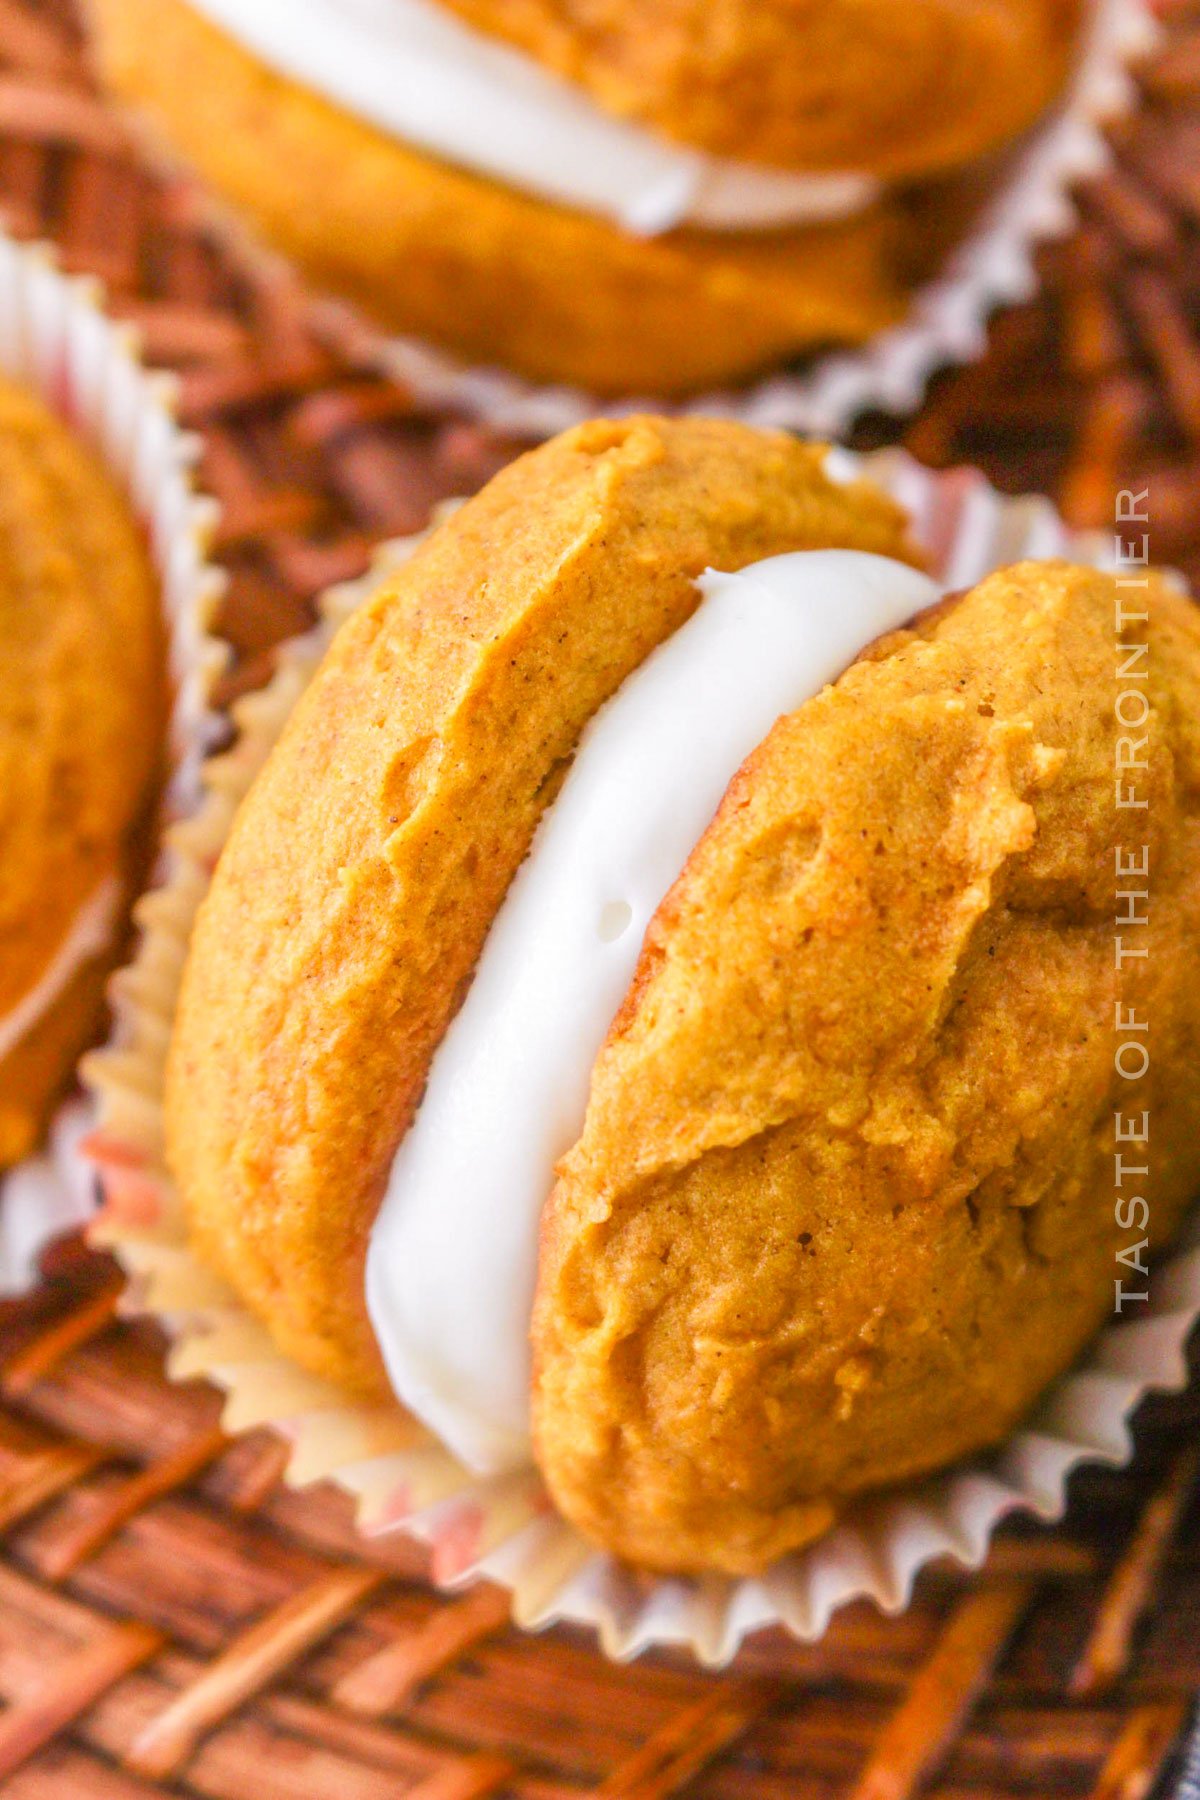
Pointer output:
x,y
422,75
453,1256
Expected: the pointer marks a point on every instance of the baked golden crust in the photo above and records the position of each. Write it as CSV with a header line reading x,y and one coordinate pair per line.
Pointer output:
x,y
364,869
892,89
844,1199
493,274
81,710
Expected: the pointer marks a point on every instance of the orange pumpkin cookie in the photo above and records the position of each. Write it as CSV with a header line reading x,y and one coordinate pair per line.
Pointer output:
x,y
843,1203
899,90
576,267
81,713
833,1200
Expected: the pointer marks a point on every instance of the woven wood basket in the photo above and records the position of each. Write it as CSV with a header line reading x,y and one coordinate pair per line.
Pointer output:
x,y
173,1619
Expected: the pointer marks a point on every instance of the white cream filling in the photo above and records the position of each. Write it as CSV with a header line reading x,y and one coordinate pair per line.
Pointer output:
x,y
421,74
453,1256
90,932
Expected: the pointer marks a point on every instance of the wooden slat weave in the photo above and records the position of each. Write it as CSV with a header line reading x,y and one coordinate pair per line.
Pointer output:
x,y
173,1620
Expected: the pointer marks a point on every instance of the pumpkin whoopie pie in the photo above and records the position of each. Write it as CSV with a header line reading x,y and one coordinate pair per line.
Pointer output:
x,y
746,938
82,707
626,197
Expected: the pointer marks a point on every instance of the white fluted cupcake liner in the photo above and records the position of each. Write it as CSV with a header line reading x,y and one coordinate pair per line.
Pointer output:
x,y
56,339
947,323
505,1528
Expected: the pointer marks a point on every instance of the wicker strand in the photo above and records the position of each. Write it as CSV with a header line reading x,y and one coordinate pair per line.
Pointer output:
x,y
383,1683
45,1475
1140,1752
676,1753
920,1733
38,1358
264,1651
125,1502
1130,1590
70,1688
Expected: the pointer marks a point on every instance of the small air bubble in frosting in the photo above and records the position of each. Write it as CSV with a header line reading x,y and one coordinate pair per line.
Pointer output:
x,y
616,916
